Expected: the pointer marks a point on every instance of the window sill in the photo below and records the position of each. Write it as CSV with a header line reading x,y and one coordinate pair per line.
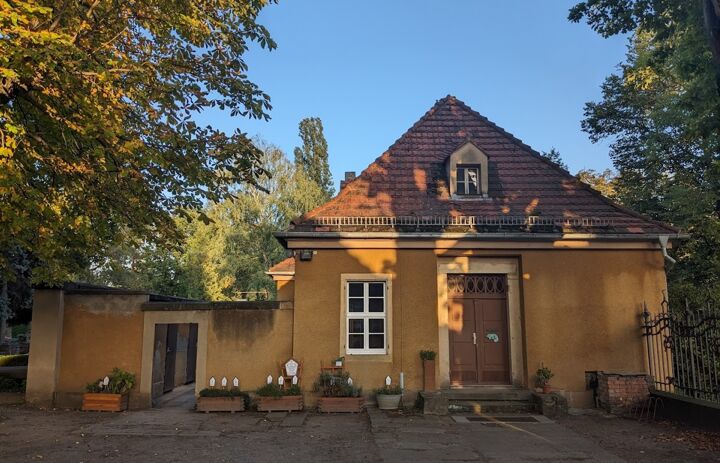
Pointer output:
x,y
470,198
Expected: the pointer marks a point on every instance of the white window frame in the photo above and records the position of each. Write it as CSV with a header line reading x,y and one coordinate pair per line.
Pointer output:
x,y
366,315
465,181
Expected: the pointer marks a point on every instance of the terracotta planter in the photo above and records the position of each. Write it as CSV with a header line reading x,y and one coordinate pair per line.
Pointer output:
x,y
429,375
547,389
220,404
388,401
341,404
286,403
102,402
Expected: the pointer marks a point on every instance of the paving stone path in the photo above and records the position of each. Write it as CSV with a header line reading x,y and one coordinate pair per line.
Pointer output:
x,y
178,434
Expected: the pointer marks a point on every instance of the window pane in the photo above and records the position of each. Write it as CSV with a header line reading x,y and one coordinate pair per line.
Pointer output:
x,y
355,305
377,325
460,175
376,305
356,289
472,189
376,289
377,341
356,341
473,181
356,325
461,189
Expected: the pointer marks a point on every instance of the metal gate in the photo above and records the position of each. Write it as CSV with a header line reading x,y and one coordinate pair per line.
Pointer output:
x,y
684,350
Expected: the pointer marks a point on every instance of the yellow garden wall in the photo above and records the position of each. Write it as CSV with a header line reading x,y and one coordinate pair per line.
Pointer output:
x,y
99,332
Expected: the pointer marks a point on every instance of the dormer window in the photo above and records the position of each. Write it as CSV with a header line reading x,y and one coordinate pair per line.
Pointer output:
x,y
468,180
467,171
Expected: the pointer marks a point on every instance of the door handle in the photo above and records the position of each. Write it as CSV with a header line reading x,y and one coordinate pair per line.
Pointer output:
x,y
475,338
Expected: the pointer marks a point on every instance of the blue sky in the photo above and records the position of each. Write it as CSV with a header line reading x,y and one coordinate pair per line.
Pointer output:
x,y
369,69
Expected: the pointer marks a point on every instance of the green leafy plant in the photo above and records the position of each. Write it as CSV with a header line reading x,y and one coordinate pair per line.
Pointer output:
x,y
214,392
543,375
389,390
275,390
119,382
336,385
427,354
340,359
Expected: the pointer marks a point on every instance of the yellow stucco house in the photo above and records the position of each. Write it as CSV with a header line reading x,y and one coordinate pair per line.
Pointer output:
x,y
459,239
463,240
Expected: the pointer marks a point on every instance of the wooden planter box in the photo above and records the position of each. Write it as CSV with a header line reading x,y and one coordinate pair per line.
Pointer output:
x,y
429,375
286,403
102,402
341,404
221,404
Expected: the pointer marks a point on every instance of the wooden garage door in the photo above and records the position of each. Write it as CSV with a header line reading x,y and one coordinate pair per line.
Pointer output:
x,y
478,327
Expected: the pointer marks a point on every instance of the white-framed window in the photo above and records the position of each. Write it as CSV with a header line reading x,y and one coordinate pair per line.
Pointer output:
x,y
366,311
468,180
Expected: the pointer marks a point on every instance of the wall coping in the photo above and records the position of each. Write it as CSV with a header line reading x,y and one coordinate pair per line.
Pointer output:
x,y
215,305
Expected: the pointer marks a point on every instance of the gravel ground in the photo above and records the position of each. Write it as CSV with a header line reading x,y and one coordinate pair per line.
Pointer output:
x,y
28,434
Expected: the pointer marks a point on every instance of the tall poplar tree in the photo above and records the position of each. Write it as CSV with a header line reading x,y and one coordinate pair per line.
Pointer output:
x,y
312,156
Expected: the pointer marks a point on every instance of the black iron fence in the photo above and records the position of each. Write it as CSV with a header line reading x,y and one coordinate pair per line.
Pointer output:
x,y
684,350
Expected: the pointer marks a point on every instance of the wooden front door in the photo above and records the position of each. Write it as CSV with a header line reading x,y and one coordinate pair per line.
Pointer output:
x,y
478,327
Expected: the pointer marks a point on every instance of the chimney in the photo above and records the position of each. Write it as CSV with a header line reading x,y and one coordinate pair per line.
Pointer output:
x,y
349,176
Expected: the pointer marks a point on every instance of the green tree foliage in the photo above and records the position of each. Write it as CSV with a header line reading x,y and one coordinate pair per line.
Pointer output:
x,y
554,156
226,257
97,99
312,156
604,181
661,112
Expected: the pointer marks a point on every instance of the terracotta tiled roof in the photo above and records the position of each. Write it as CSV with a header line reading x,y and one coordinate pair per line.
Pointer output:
x,y
409,179
283,267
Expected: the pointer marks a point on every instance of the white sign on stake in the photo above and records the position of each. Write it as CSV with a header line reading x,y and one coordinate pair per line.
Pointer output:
x,y
281,380
106,381
388,381
269,379
295,380
236,382
223,382
212,381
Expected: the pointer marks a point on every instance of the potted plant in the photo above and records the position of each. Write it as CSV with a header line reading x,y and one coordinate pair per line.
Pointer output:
x,y
338,394
274,398
388,397
339,362
109,394
543,375
221,400
428,361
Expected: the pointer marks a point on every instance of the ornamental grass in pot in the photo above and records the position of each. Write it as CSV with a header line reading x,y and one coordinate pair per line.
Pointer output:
x,y
275,398
109,394
388,397
338,394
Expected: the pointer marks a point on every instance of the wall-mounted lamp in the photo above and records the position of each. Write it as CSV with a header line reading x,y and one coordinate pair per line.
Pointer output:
x,y
306,254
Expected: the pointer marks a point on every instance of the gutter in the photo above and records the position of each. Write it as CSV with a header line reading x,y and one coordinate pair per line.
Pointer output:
x,y
663,245
282,237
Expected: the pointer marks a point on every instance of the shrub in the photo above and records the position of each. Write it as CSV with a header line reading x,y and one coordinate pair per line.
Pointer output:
x,y
427,354
212,392
389,390
336,385
120,382
15,360
12,385
274,390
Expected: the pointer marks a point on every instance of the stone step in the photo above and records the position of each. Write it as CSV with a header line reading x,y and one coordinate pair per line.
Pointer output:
x,y
491,406
488,394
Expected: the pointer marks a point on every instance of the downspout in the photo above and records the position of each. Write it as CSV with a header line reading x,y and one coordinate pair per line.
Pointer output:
x,y
663,246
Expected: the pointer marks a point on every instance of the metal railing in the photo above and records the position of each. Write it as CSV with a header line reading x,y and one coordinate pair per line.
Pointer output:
x,y
464,220
683,350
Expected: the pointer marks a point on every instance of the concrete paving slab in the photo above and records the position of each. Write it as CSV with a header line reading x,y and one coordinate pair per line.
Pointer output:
x,y
276,417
